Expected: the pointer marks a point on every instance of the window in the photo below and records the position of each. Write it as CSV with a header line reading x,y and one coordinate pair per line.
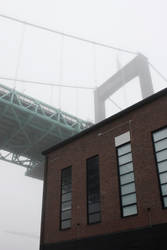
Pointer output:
x,y
93,190
160,146
126,180
66,198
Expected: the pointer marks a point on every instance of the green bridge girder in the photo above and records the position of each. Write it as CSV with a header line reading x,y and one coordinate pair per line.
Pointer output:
x,y
29,126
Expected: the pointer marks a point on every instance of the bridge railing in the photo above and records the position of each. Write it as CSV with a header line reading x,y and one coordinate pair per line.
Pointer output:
x,y
43,109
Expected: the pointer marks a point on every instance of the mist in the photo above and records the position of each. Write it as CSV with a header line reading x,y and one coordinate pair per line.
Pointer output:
x,y
64,73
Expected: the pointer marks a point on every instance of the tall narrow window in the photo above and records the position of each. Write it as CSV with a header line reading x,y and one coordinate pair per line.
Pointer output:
x,y
160,146
66,198
127,180
93,190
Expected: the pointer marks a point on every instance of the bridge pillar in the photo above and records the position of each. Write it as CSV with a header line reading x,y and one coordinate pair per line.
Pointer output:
x,y
137,67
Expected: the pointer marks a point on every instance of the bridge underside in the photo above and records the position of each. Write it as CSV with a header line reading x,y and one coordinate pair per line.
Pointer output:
x,y
28,126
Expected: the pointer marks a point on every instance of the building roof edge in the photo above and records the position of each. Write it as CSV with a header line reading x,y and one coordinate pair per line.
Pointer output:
x,y
107,120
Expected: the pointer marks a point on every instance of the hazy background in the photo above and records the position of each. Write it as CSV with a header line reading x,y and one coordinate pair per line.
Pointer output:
x,y
32,54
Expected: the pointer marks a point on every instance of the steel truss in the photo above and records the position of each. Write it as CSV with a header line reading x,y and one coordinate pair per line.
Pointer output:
x,y
28,126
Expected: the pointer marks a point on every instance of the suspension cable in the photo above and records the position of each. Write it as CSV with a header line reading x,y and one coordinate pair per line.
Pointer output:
x,y
61,68
20,49
158,72
94,64
46,83
67,35
111,100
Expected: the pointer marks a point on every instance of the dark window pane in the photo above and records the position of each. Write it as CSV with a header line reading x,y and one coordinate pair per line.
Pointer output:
x,y
66,181
94,197
93,218
66,172
93,182
93,188
93,161
66,205
66,197
66,215
66,176
92,174
66,224
95,207
94,191
66,188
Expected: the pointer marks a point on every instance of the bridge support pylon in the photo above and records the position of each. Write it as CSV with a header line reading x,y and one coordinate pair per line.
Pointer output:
x,y
137,67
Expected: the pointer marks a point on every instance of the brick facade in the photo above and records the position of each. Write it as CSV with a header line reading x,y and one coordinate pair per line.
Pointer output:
x,y
140,120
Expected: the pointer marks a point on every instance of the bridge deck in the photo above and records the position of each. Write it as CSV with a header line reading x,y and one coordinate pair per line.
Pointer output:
x,y
29,126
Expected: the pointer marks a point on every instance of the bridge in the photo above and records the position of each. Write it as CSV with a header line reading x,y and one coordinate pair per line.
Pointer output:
x,y
28,126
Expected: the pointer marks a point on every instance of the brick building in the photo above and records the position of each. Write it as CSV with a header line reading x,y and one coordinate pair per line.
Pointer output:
x,y
106,187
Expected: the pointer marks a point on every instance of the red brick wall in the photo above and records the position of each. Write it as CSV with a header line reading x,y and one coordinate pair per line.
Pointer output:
x,y
144,119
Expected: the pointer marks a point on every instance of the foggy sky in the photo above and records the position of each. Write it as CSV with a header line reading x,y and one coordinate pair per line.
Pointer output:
x,y
131,24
